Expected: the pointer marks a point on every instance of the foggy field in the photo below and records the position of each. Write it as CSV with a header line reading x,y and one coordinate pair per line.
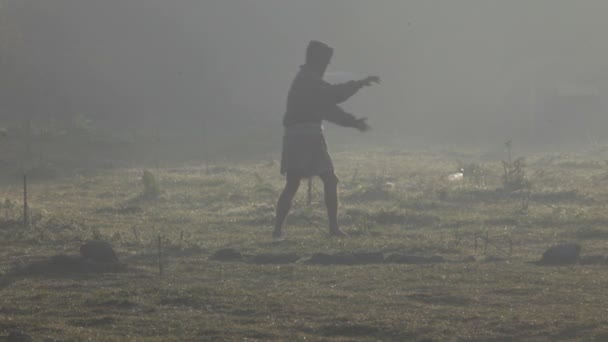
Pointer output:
x,y
391,202
156,126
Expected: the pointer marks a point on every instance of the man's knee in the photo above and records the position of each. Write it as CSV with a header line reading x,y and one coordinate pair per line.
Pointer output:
x,y
292,185
330,179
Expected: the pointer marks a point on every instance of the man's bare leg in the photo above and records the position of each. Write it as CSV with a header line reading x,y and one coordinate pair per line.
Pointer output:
x,y
330,187
284,204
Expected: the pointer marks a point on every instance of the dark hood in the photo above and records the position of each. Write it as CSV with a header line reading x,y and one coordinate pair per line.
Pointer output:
x,y
318,56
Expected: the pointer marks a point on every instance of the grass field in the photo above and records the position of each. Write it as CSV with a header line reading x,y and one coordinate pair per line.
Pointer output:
x,y
391,202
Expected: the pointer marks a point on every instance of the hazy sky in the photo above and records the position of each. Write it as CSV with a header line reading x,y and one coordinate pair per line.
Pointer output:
x,y
447,65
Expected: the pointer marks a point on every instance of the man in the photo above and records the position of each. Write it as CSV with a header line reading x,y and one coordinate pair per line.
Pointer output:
x,y
310,101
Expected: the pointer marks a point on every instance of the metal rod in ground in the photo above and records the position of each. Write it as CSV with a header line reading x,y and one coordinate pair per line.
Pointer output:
x,y
475,242
25,206
160,256
486,240
309,198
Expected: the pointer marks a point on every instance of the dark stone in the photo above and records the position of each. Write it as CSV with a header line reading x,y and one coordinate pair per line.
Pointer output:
x,y
65,261
435,259
564,254
494,258
275,258
319,259
412,259
332,259
103,267
369,257
470,258
345,258
593,260
227,254
394,258
98,251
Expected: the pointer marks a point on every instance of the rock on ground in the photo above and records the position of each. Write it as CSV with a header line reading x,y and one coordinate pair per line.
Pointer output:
x,y
98,251
369,257
227,254
332,259
275,258
412,259
564,254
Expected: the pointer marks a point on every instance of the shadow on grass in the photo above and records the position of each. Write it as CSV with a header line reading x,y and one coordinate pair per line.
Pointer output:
x,y
93,322
440,299
62,266
360,331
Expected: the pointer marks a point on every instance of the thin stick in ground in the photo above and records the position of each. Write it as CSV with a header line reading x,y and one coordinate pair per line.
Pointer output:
x,y
160,256
25,205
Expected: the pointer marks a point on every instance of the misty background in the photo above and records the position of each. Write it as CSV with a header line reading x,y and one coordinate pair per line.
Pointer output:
x,y
214,75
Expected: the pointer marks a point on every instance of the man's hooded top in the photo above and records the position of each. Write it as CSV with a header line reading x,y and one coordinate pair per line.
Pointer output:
x,y
311,99
318,56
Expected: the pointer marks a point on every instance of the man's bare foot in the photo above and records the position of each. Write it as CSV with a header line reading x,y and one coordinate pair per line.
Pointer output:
x,y
278,235
337,233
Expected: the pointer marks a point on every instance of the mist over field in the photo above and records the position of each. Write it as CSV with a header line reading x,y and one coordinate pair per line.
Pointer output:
x,y
463,73
141,143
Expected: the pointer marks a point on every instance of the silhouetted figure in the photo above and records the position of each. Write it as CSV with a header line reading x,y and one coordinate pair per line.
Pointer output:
x,y
310,101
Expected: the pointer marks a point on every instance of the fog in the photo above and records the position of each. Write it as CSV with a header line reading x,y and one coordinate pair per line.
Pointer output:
x,y
461,73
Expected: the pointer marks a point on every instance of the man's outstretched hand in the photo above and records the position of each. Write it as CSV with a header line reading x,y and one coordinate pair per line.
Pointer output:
x,y
361,125
370,80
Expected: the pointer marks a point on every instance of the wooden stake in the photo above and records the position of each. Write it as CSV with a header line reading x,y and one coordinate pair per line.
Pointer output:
x,y
509,146
160,256
25,206
487,239
475,242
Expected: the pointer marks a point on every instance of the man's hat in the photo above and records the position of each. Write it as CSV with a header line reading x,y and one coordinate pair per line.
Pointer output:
x,y
318,54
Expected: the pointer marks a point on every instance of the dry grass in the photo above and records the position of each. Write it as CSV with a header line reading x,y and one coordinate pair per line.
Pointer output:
x,y
392,202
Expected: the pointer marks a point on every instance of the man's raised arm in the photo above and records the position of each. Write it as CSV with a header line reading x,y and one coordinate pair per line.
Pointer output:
x,y
338,93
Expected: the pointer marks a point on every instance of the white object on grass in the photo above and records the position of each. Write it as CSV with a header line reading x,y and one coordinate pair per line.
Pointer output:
x,y
456,176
